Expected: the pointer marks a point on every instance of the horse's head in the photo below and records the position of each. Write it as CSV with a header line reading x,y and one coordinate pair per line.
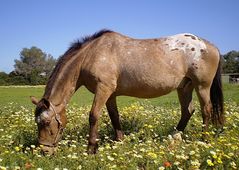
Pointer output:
x,y
51,121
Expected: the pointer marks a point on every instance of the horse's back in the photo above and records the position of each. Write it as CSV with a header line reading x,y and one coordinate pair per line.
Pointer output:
x,y
149,68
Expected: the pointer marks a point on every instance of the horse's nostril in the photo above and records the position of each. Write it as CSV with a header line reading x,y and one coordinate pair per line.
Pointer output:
x,y
47,122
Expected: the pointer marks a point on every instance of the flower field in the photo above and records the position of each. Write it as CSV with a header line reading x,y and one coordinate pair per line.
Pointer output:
x,y
148,143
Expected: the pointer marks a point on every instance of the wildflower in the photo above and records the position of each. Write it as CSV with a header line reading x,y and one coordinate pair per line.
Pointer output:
x,y
17,168
219,160
209,162
214,155
101,149
74,156
195,164
17,148
142,150
115,154
161,168
39,169
137,156
113,166
233,164
152,155
3,168
167,164
33,146
110,158
107,146
183,157
28,165
79,167
73,145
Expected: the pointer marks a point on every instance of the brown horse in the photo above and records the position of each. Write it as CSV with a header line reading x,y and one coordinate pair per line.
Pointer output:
x,y
110,64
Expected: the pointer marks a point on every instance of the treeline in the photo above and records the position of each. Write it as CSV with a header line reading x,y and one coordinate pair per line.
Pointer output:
x,y
35,66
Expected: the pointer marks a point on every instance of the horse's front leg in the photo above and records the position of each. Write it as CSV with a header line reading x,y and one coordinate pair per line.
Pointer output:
x,y
101,96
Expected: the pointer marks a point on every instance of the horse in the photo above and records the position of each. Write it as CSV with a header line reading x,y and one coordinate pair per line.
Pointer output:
x,y
110,64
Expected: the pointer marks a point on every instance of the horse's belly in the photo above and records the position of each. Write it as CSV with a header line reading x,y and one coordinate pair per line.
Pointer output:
x,y
148,86
144,93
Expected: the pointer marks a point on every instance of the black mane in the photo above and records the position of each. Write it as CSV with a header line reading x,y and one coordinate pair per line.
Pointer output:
x,y
78,43
72,49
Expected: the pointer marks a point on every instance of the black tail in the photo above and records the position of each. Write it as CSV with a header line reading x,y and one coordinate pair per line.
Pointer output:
x,y
216,95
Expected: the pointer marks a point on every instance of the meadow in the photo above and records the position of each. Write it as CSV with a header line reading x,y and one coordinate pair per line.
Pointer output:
x,y
148,142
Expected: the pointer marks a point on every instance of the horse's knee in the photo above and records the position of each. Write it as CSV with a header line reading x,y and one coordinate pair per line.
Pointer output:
x,y
93,119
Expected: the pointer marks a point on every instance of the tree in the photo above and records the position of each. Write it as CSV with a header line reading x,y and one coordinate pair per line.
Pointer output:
x,y
3,78
231,62
35,65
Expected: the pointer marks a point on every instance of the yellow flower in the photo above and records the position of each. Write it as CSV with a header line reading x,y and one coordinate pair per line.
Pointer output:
x,y
3,168
209,162
17,148
219,160
214,155
152,155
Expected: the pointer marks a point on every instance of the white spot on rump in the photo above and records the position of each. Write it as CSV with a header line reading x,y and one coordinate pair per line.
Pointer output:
x,y
188,43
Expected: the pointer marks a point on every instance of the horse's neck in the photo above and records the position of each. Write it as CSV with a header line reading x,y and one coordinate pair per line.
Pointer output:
x,y
61,93
63,84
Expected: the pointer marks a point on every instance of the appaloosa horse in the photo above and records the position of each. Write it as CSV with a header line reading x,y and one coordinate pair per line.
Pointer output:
x,y
110,64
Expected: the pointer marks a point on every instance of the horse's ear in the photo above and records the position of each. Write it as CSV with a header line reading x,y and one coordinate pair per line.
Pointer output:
x,y
34,100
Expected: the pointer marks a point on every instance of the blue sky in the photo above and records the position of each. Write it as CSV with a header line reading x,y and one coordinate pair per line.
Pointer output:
x,y
52,25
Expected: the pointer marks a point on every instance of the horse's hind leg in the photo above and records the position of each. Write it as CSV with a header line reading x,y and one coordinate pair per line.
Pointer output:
x,y
101,96
185,99
114,116
203,93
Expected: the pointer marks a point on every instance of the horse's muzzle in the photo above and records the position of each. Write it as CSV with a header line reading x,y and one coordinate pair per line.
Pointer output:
x,y
48,150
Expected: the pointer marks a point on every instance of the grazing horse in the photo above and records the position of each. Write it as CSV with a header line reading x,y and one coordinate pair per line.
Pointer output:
x,y
109,64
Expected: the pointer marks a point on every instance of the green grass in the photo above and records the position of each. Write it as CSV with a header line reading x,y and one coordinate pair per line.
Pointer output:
x,y
83,97
147,125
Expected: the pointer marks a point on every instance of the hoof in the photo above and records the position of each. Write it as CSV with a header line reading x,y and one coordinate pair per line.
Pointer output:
x,y
178,135
120,136
92,149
